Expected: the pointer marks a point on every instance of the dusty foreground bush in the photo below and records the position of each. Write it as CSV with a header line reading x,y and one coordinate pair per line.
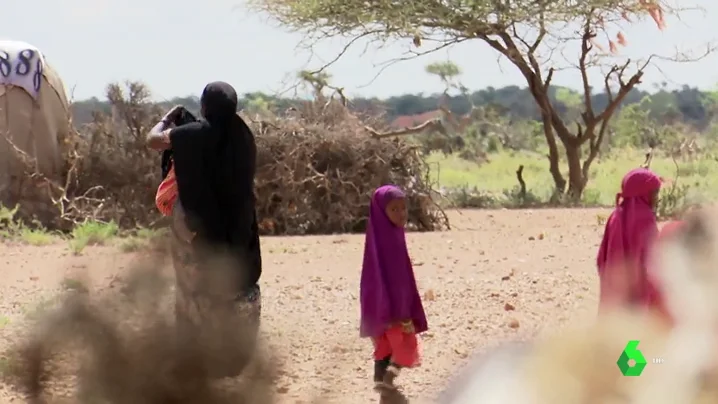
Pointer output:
x,y
122,347
317,167
580,366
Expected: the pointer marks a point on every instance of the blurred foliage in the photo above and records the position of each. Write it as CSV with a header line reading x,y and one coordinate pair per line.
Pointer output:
x,y
687,105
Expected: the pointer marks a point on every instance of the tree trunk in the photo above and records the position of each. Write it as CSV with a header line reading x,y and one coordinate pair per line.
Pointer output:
x,y
553,159
576,179
555,170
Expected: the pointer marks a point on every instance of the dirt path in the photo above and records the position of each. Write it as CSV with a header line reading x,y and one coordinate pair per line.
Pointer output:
x,y
539,262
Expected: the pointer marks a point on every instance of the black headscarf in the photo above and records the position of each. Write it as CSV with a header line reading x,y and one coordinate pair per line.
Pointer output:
x,y
215,170
219,103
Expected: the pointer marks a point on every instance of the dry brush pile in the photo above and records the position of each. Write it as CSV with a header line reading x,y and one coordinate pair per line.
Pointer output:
x,y
317,167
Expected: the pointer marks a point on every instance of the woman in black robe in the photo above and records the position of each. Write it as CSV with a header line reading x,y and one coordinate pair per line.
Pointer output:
x,y
215,239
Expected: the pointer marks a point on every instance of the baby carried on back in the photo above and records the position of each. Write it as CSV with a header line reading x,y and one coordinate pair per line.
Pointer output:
x,y
167,193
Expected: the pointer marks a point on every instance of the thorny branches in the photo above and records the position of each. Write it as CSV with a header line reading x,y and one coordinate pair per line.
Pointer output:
x,y
319,80
617,73
72,209
432,125
316,169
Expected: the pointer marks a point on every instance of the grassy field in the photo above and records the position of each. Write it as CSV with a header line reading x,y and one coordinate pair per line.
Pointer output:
x,y
499,174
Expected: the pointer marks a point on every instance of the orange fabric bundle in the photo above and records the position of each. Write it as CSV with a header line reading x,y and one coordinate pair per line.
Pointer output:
x,y
167,193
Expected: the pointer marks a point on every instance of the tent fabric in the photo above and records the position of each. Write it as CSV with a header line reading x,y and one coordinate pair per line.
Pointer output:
x,y
34,126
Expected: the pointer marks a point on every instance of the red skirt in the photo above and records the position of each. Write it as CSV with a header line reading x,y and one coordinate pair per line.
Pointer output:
x,y
402,347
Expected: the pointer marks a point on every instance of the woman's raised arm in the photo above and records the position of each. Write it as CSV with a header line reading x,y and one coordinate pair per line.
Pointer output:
x,y
159,136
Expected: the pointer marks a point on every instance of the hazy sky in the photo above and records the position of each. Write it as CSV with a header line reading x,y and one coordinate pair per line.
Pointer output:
x,y
177,46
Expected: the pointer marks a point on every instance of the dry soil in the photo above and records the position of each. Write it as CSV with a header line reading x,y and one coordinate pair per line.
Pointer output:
x,y
497,276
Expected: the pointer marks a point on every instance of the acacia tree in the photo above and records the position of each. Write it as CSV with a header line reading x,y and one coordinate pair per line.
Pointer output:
x,y
448,73
528,33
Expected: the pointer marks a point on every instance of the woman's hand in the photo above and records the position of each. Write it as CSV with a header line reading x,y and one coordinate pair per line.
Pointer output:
x,y
158,138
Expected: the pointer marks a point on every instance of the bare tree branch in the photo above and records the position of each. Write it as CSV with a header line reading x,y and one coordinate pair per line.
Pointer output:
x,y
344,50
430,125
586,47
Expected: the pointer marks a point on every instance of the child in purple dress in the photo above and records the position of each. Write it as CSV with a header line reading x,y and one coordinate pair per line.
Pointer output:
x,y
391,310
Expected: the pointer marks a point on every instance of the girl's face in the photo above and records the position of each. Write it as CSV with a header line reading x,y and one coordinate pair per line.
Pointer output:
x,y
396,212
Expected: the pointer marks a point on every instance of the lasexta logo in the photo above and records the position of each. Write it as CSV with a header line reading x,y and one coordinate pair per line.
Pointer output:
x,y
631,354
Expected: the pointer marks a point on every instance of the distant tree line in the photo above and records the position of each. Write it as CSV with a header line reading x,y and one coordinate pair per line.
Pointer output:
x,y
688,105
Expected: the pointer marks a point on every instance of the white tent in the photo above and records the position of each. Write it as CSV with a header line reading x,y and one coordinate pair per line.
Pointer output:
x,y
32,120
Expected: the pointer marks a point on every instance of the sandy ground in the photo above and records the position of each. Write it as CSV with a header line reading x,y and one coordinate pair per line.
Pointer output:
x,y
498,276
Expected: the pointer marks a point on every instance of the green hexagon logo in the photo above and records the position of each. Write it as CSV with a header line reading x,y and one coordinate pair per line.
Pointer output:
x,y
631,352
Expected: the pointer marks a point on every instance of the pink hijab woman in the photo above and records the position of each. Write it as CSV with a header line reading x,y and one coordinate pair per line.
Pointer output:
x,y
627,239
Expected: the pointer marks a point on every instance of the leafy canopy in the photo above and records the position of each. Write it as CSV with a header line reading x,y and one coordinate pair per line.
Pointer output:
x,y
448,20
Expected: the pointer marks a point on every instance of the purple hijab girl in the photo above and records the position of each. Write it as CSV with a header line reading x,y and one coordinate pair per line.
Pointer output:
x,y
391,309
388,288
